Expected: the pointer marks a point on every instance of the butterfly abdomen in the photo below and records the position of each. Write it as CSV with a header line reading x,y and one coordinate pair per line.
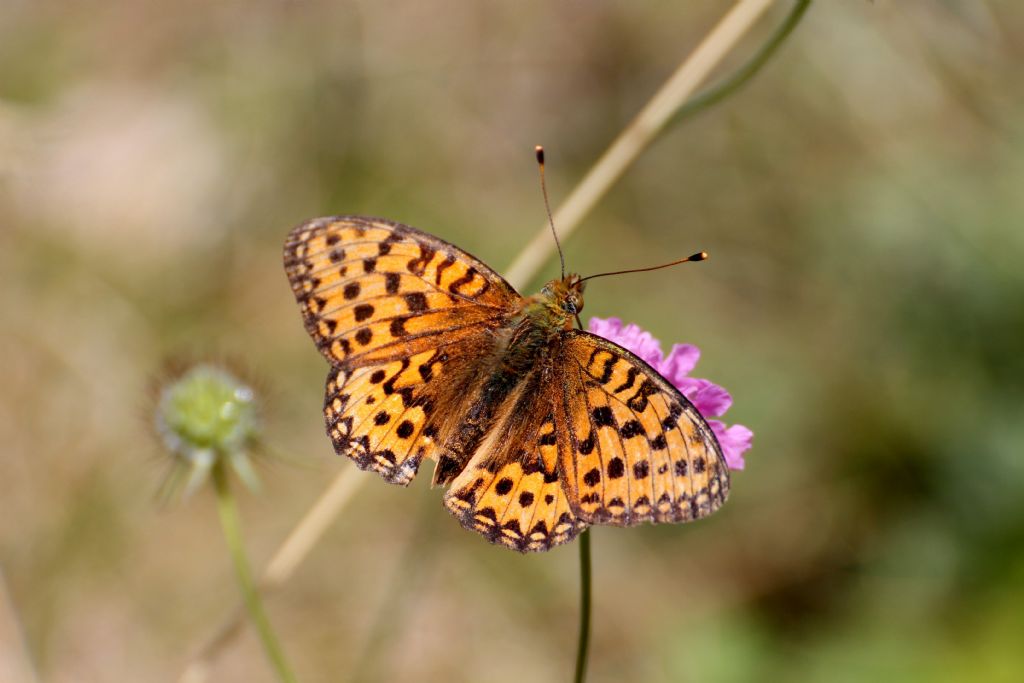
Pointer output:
x,y
519,351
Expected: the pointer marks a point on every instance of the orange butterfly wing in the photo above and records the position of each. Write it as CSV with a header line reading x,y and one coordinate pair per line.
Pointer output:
x,y
595,436
400,315
372,289
641,451
513,490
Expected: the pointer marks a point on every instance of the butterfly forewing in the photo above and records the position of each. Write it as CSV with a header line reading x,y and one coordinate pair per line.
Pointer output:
x,y
641,451
401,315
371,289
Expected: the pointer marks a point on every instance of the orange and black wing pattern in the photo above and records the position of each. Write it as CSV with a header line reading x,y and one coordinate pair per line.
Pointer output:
x,y
371,289
595,436
514,490
400,315
640,451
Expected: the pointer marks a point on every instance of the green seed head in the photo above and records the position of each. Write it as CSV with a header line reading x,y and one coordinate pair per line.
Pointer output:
x,y
204,416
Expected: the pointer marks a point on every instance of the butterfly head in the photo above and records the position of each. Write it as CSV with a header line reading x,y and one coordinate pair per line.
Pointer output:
x,y
564,299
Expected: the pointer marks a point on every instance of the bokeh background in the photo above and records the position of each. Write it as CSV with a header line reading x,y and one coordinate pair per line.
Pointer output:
x,y
862,200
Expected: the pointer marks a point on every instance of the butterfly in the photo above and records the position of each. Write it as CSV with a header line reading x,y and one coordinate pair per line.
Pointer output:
x,y
538,429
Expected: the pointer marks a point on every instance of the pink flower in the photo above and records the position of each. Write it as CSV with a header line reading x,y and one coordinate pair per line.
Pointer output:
x,y
707,397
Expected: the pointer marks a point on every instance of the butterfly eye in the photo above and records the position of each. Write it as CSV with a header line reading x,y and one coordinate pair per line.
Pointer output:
x,y
572,305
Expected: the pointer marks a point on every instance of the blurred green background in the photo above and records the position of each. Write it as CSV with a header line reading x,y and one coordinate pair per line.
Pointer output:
x,y
862,201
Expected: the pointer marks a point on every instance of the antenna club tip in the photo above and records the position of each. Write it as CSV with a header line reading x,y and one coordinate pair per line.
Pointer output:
x,y
699,256
540,153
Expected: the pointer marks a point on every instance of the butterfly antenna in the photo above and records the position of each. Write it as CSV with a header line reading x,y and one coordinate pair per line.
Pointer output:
x,y
699,256
547,206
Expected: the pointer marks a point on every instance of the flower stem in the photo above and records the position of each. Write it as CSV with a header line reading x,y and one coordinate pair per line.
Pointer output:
x,y
584,638
229,522
280,567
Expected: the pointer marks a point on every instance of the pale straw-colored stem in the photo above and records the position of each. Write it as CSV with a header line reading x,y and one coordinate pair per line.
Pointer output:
x,y
637,136
624,150
15,660
313,525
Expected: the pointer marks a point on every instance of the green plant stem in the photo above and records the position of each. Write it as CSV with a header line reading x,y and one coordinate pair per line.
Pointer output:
x,y
229,521
737,79
584,639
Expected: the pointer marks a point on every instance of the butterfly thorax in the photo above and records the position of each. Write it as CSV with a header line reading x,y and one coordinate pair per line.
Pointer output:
x,y
516,360
541,319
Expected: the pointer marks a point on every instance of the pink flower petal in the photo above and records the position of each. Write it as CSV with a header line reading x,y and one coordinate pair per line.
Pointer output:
x,y
632,337
605,327
735,441
712,400
690,385
680,362
708,398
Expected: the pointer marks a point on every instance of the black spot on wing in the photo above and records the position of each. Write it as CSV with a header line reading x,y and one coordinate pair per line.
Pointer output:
x,y
616,468
416,302
586,447
603,416
398,327
631,429
672,420
363,311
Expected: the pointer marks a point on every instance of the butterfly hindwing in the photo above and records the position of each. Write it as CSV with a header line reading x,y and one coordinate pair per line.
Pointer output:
x,y
641,450
513,490
376,415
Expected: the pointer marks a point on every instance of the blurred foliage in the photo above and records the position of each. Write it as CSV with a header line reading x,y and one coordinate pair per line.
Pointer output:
x,y
864,303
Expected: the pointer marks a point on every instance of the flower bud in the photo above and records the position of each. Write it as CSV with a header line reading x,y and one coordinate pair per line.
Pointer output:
x,y
206,417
